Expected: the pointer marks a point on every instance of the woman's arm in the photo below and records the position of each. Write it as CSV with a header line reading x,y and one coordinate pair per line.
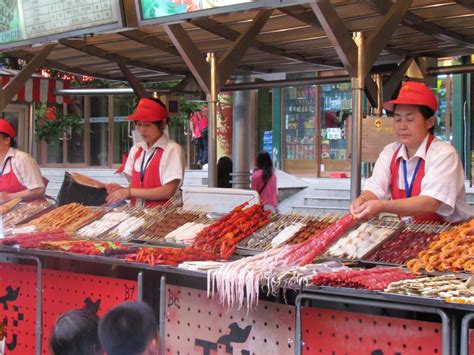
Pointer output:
x,y
412,206
24,195
164,192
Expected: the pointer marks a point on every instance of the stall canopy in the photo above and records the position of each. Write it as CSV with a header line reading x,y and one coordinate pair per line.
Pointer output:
x,y
149,42
37,89
292,39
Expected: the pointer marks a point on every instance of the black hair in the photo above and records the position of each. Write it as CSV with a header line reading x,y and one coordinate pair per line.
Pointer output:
x,y
12,140
224,168
159,124
426,112
75,333
264,163
127,329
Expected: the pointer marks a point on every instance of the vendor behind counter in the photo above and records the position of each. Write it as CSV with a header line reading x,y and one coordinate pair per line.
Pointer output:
x,y
418,175
20,176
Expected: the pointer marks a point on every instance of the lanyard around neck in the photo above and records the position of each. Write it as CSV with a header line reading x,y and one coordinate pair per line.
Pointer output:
x,y
409,187
144,165
5,165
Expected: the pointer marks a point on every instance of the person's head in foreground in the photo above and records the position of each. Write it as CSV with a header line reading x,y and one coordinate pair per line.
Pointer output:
x,y
75,333
129,329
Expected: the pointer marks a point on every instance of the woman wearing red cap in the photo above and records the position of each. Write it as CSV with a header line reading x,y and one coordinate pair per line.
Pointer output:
x,y
155,167
418,175
20,176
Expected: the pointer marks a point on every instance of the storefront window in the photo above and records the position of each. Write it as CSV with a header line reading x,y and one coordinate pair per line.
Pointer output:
x,y
443,92
299,122
336,114
99,131
123,106
75,143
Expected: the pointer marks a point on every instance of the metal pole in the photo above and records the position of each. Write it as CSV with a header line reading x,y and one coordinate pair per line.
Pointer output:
x,y
162,320
241,136
357,94
212,123
464,350
378,79
140,286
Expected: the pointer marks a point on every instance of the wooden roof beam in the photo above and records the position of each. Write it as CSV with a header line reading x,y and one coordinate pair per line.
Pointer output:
x,y
191,55
196,62
11,89
90,49
151,41
234,55
417,23
218,29
395,78
308,17
139,90
468,4
343,43
379,37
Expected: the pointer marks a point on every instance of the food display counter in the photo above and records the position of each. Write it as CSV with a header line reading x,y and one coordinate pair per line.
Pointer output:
x,y
243,281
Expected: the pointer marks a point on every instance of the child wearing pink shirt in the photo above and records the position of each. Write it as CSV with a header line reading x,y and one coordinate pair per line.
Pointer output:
x,y
264,180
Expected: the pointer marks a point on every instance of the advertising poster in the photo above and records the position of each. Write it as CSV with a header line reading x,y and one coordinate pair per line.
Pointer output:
x,y
158,8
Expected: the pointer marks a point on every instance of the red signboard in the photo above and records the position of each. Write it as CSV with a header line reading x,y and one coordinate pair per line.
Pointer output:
x,y
196,324
62,291
337,332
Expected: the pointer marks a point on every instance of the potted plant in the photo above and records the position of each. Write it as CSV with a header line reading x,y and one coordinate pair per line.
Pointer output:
x,y
51,125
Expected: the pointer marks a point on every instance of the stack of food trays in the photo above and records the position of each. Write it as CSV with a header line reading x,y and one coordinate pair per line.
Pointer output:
x,y
100,228
453,251
286,229
70,218
125,223
24,212
278,231
173,225
446,287
363,239
406,245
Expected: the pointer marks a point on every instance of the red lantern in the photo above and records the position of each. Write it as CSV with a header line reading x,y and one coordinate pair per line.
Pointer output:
x,y
51,113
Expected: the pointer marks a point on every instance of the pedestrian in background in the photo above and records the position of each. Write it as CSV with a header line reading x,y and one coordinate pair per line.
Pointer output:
x,y
264,181
198,123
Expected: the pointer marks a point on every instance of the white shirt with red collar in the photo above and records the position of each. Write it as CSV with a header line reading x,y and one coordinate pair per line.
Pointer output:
x,y
443,180
172,161
24,167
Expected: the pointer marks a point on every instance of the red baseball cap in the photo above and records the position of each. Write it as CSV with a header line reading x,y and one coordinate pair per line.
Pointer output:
x,y
149,111
413,93
7,128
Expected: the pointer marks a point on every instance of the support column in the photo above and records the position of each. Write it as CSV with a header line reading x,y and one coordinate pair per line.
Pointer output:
x,y
241,137
212,122
357,96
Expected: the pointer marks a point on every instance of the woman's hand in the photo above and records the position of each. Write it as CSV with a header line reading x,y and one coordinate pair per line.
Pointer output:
x,y
118,196
112,187
355,205
5,197
368,209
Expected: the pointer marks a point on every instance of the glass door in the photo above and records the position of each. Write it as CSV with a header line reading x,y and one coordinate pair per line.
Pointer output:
x,y
17,115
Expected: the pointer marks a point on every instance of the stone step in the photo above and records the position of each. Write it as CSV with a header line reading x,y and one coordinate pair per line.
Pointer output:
x,y
327,201
304,209
317,192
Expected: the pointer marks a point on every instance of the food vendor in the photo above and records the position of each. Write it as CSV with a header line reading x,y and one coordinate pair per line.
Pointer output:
x,y
155,166
20,176
418,175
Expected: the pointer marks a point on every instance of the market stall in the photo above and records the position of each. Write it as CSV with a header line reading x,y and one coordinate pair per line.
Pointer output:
x,y
215,292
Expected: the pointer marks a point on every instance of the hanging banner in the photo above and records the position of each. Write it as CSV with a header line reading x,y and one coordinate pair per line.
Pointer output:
x,y
25,20
224,125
